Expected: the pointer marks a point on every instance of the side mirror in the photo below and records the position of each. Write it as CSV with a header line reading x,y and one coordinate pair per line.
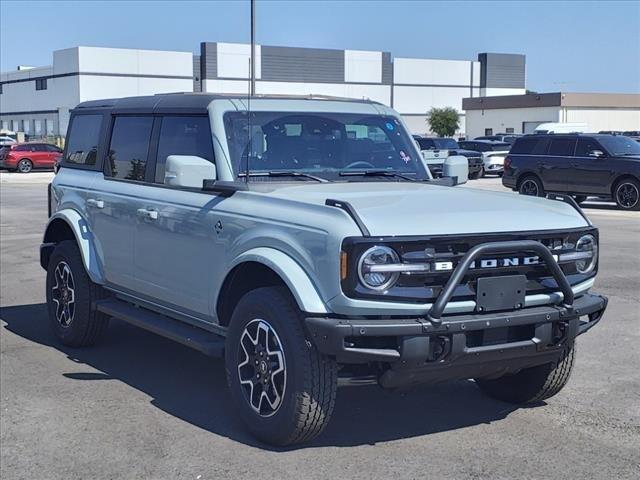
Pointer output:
x,y
188,171
456,167
596,153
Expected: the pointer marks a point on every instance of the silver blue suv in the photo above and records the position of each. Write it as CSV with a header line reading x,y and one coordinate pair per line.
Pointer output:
x,y
304,242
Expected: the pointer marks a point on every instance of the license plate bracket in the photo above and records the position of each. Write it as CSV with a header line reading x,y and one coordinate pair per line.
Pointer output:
x,y
500,293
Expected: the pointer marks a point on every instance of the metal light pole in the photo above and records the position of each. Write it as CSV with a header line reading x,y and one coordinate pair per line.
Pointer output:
x,y
252,60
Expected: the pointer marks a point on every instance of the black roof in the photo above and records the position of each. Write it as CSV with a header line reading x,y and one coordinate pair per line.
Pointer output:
x,y
188,102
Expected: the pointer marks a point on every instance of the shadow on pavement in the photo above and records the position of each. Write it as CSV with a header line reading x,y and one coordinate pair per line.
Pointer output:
x,y
192,387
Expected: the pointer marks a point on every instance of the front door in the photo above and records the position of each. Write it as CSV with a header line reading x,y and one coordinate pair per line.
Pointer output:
x,y
590,174
556,165
176,245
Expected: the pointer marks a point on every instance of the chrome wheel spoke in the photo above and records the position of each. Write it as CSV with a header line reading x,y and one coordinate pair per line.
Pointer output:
x,y
63,294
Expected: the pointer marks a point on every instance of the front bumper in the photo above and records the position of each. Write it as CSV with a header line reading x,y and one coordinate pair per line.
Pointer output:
x,y
417,350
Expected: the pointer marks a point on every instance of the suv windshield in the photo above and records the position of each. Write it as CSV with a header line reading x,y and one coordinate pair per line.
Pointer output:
x,y
320,144
618,145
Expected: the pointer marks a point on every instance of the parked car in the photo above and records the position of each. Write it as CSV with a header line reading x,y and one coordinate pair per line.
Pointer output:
x,y
450,145
24,157
492,152
314,253
606,166
5,140
501,137
553,127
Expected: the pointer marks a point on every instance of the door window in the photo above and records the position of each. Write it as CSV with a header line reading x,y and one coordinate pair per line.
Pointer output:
x,y
83,139
129,148
562,147
183,136
586,145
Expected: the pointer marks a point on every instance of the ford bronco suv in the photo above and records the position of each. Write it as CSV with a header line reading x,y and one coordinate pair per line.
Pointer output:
x,y
303,240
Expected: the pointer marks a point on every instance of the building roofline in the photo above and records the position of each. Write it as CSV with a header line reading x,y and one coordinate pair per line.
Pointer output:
x,y
554,99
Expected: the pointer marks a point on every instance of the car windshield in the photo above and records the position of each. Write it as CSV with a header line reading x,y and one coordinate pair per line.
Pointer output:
x,y
445,143
618,145
324,145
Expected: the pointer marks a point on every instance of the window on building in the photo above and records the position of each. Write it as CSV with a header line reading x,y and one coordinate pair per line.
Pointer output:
x,y
37,127
41,84
5,125
183,136
129,147
488,131
510,130
26,126
562,147
1,88
83,139
48,126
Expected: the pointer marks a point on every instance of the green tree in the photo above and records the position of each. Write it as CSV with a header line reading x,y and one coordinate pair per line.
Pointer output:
x,y
443,121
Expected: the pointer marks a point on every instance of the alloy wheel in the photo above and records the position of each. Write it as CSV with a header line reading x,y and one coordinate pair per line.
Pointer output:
x,y
529,187
261,367
63,294
24,166
627,195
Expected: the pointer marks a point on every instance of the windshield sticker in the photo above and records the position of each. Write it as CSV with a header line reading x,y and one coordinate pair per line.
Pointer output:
x,y
390,126
405,157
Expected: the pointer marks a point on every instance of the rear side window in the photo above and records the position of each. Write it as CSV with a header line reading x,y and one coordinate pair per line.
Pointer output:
x,y
83,140
535,145
129,147
183,136
562,147
23,148
586,145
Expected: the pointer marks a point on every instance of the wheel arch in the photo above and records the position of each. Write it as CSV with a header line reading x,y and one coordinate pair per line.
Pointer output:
x,y
620,178
68,224
262,267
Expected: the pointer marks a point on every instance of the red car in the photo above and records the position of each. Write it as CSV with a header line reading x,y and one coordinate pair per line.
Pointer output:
x,y
24,157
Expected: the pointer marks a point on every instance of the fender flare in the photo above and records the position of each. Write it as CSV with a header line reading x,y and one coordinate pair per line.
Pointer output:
x,y
291,273
84,239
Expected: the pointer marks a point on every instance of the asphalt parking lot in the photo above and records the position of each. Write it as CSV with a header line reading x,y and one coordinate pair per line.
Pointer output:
x,y
140,406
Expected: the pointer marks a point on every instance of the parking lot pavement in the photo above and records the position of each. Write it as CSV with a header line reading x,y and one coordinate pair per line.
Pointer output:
x,y
140,406
31,177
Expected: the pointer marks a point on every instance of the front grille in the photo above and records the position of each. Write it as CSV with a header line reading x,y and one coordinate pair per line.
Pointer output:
x,y
425,287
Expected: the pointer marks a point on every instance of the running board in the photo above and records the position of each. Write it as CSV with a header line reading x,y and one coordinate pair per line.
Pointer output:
x,y
206,342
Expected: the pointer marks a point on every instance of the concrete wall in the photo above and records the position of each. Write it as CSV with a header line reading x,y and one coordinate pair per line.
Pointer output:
x,y
603,119
88,73
501,119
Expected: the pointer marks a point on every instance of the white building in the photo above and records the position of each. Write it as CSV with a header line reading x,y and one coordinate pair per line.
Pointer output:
x,y
410,85
523,113
37,101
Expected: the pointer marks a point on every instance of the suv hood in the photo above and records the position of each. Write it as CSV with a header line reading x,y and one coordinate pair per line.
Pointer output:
x,y
403,208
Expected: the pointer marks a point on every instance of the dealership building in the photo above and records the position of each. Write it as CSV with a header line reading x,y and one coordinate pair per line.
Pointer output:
x,y
37,100
523,113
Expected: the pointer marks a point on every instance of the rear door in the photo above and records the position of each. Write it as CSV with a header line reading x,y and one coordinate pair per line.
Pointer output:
x,y
555,167
589,174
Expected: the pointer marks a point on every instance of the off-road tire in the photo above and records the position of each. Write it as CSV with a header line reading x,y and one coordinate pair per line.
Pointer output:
x,y
534,384
526,183
311,378
87,326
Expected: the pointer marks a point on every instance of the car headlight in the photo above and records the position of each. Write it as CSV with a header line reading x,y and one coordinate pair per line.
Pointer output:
x,y
587,250
367,271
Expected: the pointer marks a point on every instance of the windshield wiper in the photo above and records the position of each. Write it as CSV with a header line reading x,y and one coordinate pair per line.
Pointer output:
x,y
377,173
284,173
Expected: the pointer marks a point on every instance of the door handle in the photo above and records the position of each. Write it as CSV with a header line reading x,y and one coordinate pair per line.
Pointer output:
x,y
93,202
148,213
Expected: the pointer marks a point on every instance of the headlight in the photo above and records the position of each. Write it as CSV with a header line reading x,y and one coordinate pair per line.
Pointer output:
x,y
587,248
377,280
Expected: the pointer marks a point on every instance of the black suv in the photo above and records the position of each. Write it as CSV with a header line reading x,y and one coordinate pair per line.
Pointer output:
x,y
606,166
440,143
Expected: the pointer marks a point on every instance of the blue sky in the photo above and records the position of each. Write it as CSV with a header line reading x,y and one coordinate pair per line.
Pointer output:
x,y
570,46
